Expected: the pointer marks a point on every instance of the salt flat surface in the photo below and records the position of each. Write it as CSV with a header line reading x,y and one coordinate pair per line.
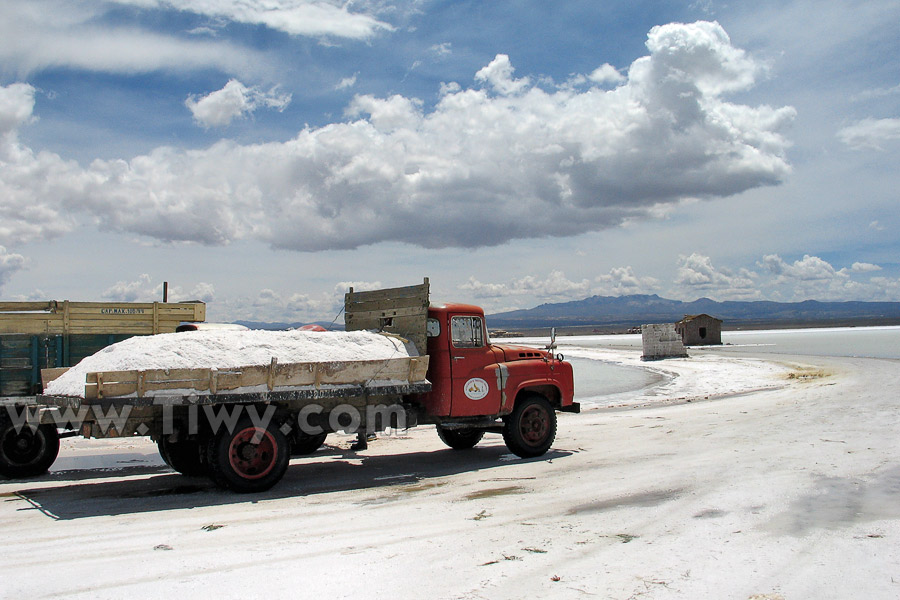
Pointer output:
x,y
703,375
785,493
229,349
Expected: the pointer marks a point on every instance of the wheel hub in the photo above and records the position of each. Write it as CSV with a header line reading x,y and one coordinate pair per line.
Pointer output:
x,y
22,446
534,425
252,453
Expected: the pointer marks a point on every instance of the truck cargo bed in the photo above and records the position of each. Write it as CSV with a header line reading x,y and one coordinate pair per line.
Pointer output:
x,y
274,382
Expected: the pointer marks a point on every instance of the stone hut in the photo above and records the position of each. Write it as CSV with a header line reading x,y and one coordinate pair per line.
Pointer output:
x,y
660,340
699,330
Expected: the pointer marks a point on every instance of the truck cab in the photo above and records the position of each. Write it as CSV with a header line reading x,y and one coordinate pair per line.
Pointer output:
x,y
470,376
476,387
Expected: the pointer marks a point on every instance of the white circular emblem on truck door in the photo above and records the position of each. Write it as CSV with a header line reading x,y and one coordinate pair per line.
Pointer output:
x,y
476,388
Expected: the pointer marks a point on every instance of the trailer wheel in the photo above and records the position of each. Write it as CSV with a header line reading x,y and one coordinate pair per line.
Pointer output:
x,y
531,427
249,458
307,444
28,452
184,456
460,439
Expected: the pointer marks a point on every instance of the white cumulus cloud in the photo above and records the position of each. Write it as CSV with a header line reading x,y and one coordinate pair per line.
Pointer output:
x,y
696,274
809,268
460,174
34,186
144,289
346,83
870,134
139,290
235,100
606,73
10,264
499,75
812,277
16,106
622,281
271,305
861,267
555,285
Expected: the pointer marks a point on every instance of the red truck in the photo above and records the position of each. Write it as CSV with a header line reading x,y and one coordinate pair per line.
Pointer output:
x,y
460,382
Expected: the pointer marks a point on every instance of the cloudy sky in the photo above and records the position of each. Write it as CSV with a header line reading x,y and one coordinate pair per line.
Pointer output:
x,y
263,155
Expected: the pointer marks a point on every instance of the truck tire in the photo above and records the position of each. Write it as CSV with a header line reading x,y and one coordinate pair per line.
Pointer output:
x,y
530,429
248,459
307,444
460,439
184,456
28,452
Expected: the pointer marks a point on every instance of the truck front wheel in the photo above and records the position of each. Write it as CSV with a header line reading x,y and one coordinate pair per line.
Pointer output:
x,y
531,427
460,439
28,452
248,459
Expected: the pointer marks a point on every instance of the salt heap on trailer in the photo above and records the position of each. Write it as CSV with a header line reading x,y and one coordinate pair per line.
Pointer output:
x,y
230,350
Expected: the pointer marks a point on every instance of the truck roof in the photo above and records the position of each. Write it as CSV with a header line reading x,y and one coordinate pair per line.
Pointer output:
x,y
457,307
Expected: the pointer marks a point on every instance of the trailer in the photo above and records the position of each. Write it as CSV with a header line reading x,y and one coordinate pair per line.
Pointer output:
x,y
41,339
240,426
44,335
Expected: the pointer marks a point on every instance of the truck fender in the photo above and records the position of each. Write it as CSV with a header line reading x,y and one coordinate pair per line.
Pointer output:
x,y
536,386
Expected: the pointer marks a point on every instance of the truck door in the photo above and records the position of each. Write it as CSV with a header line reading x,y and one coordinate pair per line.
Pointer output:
x,y
473,373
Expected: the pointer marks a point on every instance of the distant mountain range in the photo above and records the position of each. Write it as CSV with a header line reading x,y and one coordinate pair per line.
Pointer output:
x,y
620,312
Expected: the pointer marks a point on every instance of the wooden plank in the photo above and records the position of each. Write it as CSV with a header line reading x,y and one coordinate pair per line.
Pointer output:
x,y
402,311
150,375
96,317
142,329
19,327
48,375
112,384
397,324
176,310
29,317
295,374
388,304
14,387
25,306
411,328
418,368
382,318
327,397
416,293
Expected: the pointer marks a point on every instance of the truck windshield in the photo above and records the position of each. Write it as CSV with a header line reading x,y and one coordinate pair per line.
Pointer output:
x,y
467,332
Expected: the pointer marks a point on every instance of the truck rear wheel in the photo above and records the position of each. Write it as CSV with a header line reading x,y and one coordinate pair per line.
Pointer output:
x,y
530,429
249,458
460,439
28,452
183,456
